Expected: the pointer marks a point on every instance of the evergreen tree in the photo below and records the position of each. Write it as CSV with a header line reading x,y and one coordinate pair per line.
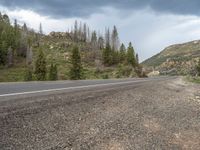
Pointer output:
x,y
75,72
122,53
6,40
131,55
107,55
107,38
40,66
114,58
28,74
107,51
3,48
137,59
53,75
17,35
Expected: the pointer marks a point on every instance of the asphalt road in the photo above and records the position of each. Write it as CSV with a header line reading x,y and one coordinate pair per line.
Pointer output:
x,y
142,114
44,88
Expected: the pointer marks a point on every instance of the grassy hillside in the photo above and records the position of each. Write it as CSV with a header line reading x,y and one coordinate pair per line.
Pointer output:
x,y
179,59
57,48
29,55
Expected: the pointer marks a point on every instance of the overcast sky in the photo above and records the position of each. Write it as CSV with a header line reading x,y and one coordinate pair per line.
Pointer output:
x,y
150,25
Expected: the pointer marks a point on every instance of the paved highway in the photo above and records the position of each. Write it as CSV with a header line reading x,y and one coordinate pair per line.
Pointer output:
x,y
25,88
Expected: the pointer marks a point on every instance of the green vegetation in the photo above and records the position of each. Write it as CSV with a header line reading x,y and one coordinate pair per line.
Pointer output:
x,y
193,79
40,66
28,74
198,68
53,72
26,55
179,59
75,72
131,58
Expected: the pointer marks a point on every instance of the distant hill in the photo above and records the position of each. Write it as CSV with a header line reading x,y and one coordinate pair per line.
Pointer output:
x,y
179,59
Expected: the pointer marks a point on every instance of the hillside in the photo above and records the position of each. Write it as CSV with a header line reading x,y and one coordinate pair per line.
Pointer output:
x,y
179,59
101,56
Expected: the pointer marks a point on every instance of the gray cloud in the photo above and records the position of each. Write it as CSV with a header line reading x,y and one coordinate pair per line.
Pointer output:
x,y
84,8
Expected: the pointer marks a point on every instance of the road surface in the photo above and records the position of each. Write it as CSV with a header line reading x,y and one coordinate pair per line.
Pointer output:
x,y
156,113
48,87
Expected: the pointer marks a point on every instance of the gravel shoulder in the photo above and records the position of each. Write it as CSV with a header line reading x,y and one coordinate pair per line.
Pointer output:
x,y
153,115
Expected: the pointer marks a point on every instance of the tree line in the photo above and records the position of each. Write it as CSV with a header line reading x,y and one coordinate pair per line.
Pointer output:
x,y
19,41
107,48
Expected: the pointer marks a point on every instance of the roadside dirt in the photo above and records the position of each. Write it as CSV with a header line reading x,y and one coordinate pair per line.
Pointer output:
x,y
154,115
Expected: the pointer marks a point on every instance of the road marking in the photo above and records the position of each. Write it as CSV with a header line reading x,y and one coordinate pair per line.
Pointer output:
x,y
71,88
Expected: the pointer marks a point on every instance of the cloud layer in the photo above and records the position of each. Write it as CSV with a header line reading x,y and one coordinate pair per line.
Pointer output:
x,y
84,8
149,32
150,25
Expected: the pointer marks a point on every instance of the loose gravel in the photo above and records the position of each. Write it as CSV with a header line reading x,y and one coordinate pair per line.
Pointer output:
x,y
161,115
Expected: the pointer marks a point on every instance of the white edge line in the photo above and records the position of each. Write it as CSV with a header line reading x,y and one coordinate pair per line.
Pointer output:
x,y
70,88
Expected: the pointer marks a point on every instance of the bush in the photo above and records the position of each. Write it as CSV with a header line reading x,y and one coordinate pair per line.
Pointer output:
x,y
76,70
105,76
40,66
53,75
28,74
123,71
198,68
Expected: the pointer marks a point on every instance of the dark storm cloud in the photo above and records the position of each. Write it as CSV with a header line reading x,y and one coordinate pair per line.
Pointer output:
x,y
83,8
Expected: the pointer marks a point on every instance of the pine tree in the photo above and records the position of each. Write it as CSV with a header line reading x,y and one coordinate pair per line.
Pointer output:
x,y
75,72
3,48
131,55
55,72
107,52
53,75
122,53
28,76
137,59
16,35
40,66
107,55
107,37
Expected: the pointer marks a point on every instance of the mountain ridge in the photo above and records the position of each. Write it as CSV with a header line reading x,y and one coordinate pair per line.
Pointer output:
x,y
177,59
